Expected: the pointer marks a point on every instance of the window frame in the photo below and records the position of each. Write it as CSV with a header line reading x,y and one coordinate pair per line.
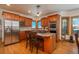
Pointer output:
x,y
72,23
32,24
40,25
62,25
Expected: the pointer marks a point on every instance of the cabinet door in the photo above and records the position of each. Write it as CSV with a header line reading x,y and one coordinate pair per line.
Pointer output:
x,y
22,35
28,22
44,22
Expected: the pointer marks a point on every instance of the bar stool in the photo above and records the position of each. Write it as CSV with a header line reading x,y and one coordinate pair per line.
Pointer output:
x,y
27,38
32,40
36,42
40,43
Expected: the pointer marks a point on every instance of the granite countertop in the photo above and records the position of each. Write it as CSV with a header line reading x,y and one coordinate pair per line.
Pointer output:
x,y
25,29
46,34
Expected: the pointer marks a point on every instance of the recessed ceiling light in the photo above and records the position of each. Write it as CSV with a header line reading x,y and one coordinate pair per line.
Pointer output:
x,y
8,4
29,11
38,15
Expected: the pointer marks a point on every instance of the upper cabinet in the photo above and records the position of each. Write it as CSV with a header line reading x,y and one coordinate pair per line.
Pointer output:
x,y
53,18
12,16
8,15
28,22
24,21
44,22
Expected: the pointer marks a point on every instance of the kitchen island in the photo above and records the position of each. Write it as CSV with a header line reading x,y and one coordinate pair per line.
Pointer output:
x,y
49,41
23,33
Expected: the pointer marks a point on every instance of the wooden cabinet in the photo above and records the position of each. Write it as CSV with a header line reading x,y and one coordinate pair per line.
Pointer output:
x,y
53,18
45,22
7,15
22,35
21,19
28,22
12,16
50,19
49,42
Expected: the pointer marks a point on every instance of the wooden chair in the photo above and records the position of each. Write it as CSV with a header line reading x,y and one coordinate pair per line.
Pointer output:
x,y
36,42
40,43
27,38
76,38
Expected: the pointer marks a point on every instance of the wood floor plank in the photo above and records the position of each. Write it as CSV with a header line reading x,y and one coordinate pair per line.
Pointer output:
x,y
63,47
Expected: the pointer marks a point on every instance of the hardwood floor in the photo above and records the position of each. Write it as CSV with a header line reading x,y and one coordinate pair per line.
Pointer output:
x,y
63,47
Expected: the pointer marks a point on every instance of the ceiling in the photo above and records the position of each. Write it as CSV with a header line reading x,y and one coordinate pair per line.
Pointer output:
x,y
44,8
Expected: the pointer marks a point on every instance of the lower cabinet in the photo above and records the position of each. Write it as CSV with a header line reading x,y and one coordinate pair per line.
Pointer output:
x,y
22,35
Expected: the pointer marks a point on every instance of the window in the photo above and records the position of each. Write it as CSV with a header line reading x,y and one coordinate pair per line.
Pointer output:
x,y
75,23
39,24
33,24
64,26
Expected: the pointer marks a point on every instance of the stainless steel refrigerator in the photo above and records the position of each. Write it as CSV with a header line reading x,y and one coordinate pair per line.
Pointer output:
x,y
11,32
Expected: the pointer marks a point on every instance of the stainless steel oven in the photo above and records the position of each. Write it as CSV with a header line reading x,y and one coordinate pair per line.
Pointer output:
x,y
53,27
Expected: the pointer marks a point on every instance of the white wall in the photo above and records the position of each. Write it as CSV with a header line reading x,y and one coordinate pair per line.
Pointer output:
x,y
1,17
70,13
